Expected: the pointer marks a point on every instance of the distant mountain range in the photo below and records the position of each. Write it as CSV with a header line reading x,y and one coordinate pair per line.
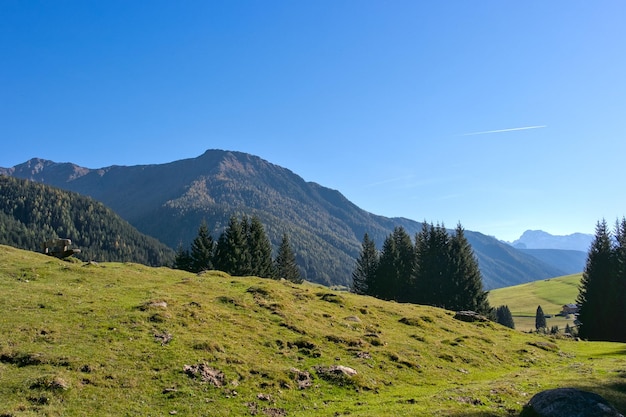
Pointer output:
x,y
538,239
169,201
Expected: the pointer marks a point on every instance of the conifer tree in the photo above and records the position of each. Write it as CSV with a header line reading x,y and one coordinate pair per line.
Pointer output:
x,y
202,250
596,292
466,283
540,319
395,267
405,264
231,255
259,250
365,271
182,260
504,316
380,286
432,266
285,262
620,282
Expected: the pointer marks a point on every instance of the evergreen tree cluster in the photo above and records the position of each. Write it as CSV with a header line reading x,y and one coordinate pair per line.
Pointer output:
x,y
602,292
439,269
504,316
32,213
243,249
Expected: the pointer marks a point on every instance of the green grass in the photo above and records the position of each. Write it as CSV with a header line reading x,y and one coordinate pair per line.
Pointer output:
x,y
89,340
550,294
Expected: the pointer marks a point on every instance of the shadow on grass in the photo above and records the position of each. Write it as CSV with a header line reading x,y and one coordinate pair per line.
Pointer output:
x,y
613,391
611,353
484,414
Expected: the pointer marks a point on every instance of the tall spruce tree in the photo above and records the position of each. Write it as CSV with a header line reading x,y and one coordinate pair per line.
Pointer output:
x,y
466,282
620,281
380,286
202,249
540,319
432,267
285,265
259,249
395,267
183,259
596,292
364,273
231,253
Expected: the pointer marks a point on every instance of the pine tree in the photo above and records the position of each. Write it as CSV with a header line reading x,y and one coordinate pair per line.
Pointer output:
x,y
405,264
285,262
231,254
380,286
540,319
395,267
596,292
432,267
202,250
504,316
365,271
259,250
619,329
182,260
466,283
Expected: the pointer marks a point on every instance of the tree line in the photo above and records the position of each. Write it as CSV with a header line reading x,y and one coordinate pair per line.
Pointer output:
x,y
243,249
602,292
439,269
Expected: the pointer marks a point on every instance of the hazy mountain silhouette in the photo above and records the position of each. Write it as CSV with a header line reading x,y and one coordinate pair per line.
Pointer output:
x,y
538,239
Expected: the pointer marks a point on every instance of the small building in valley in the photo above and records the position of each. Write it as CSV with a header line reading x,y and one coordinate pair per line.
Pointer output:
x,y
569,309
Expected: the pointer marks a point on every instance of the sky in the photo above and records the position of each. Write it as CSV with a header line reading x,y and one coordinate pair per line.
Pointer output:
x,y
504,116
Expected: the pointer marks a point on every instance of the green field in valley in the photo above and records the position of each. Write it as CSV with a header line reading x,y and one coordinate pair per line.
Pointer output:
x,y
550,294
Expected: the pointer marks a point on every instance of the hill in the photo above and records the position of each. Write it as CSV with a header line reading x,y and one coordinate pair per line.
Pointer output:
x,y
32,213
551,294
125,339
169,201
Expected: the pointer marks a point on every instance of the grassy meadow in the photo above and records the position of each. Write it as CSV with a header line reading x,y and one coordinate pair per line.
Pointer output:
x,y
117,339
551,294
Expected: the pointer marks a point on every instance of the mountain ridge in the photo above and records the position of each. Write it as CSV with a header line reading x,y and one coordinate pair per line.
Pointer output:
x,y
538,239
169,201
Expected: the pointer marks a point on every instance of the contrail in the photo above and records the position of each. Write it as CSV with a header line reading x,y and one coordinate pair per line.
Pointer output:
x,y
503,130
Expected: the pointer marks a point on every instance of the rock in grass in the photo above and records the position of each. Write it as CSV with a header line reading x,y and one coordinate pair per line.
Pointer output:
x,y
205,373
336,373
568,402
470,316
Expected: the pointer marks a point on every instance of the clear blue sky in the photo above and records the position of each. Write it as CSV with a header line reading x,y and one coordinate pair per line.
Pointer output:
x,y
388,102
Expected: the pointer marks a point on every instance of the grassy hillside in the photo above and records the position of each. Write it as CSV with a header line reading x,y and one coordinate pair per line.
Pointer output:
x,y
550,294
124,339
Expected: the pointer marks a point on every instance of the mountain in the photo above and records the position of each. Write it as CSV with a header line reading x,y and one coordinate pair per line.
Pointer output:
x,y
32,213
169,201
569,261
538,239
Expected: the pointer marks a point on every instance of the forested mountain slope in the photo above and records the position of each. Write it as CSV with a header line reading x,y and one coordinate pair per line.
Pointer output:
x,y
169,201
32,213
